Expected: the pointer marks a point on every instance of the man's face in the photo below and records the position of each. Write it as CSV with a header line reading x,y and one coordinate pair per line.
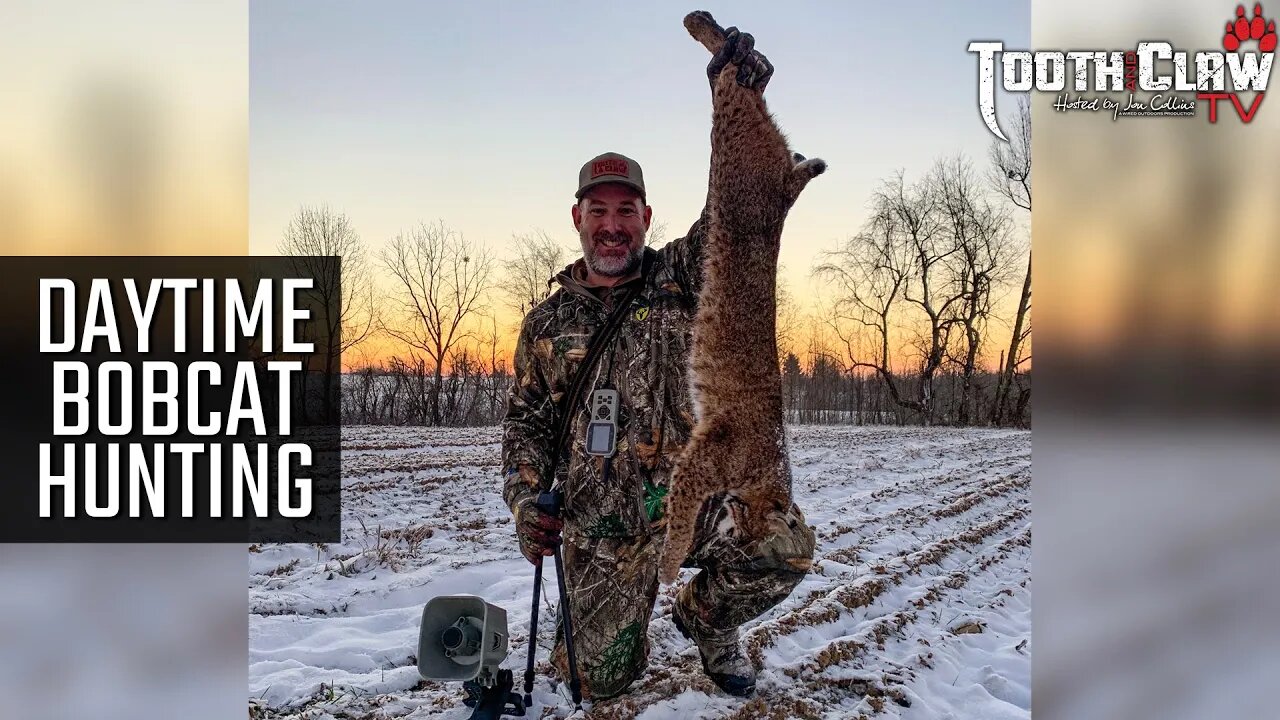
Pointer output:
x,y
611,220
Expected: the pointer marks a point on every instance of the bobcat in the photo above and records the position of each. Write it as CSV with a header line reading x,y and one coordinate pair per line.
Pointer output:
x,y
738,445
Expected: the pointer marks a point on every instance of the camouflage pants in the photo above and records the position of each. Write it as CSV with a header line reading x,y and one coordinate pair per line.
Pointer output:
x,y
613,584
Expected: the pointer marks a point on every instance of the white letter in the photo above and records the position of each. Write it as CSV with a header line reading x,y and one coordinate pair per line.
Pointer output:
x,y
1246,73
1209,72
286,391
215,480
67,480
68,343
142,316
1080,64
180,286
104,398
152,480
245,377
1148,52
1019,75
986,84
1182,82
249,320
1046,62
91,507
100,305
80,398
193,397
292,314
208,297
303,484
151,397
243,475
187,451
1108,67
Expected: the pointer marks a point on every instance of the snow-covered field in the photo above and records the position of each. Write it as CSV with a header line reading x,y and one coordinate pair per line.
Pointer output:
x,y
919,605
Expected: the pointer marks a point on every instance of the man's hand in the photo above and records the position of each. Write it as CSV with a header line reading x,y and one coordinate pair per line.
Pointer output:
x,y
538,532
754,69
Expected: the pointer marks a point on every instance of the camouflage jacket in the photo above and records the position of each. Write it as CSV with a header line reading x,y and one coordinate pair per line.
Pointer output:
x,y
647,363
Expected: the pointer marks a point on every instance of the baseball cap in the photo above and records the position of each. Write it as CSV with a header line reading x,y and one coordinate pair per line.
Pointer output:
x,y
610,168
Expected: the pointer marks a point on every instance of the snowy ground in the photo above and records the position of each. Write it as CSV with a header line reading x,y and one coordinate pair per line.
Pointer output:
x,y
919,605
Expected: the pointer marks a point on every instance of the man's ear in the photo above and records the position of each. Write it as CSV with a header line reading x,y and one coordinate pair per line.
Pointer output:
x,y
648,217
577,216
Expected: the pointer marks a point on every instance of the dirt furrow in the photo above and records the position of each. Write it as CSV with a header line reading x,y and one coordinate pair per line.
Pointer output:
x,y
813,691
1017,481
861,592
915,516
821,690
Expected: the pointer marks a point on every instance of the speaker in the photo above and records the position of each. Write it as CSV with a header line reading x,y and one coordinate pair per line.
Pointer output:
x,y
462,637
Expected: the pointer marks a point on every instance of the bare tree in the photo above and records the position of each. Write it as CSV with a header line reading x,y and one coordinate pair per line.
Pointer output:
x,y
528,275
870,275
980,234
325,246
788,320
656,236
1010,175
1010,170
439,281
538,257
499,378
900,274
792,376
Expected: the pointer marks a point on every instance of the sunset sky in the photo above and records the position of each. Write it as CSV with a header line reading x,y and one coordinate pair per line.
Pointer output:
x,y
480,114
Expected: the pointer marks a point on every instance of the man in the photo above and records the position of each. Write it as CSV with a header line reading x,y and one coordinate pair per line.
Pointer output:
x,y
612,519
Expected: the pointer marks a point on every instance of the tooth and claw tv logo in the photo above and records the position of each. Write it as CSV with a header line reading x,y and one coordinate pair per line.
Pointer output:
x,y
1243,65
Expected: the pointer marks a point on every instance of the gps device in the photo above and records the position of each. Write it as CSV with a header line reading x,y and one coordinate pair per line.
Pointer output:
x,y
602,430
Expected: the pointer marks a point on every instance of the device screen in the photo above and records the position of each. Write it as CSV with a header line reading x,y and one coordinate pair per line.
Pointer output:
x,y
600,438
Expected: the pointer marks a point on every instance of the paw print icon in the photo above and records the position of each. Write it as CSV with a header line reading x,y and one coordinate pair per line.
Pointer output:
x,y
1243,29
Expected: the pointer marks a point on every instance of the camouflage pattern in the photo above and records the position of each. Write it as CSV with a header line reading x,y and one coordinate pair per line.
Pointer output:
x,y
613,508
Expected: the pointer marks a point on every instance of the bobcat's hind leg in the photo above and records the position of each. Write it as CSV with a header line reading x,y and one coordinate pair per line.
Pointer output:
x,y
689,490
704,28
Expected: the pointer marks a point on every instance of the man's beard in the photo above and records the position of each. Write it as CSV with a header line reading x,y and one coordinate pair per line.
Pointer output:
x,y
612,265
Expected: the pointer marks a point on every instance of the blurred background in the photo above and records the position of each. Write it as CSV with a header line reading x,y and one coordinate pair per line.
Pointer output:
x,y
1155,469
1156,457
125,132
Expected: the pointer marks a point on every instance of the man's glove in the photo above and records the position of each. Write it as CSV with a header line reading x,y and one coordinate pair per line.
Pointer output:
x,y
539,533
754,69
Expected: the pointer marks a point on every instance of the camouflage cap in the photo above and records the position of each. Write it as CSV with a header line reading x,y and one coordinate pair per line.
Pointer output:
x,y
610,168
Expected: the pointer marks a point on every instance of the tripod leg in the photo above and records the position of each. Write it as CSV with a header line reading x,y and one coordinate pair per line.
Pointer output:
x,y
533,634
575,686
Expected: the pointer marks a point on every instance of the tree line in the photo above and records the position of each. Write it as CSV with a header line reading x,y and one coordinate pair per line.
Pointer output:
x,y
903,332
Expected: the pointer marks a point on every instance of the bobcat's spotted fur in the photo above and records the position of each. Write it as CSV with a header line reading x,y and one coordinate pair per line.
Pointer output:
x,y
738,445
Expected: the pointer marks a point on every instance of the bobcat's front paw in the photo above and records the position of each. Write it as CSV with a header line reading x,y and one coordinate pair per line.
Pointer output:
x,y
802,172
812,167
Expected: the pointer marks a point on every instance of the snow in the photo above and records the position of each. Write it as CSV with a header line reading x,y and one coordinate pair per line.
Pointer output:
x,y
918,607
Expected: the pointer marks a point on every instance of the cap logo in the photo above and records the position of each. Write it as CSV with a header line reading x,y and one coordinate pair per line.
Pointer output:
x,y
611,166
